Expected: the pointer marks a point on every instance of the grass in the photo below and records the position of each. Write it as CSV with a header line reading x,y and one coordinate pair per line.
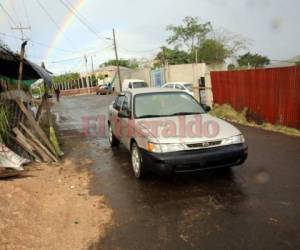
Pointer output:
x,y
3,122
226,112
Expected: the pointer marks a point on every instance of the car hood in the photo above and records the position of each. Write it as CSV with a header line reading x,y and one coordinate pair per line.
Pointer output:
x,y
187,129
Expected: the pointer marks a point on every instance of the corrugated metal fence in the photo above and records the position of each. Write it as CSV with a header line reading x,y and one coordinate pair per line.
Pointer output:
x,y
271,94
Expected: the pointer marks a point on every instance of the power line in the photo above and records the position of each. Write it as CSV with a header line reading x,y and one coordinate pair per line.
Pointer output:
x,y
80,18
140,51
26,13
14,10
37,43
47,46
9,16
80,56
86,20
52,19
21,29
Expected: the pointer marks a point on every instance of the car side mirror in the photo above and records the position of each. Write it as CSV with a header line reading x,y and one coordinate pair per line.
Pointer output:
x,y
206,108
123,114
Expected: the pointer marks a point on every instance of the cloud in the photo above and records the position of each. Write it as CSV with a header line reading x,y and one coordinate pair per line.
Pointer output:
x,y
140,26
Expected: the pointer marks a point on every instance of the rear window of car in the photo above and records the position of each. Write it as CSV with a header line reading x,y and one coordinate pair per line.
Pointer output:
x,y
169,86
139,85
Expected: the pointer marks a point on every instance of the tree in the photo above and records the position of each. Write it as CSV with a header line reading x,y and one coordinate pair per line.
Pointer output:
x,y
253,60
66,77
211,51
231,66
234,43
172,56
132,64
190,34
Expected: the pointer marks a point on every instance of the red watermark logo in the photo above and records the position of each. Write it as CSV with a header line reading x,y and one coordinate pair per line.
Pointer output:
x,y
193,126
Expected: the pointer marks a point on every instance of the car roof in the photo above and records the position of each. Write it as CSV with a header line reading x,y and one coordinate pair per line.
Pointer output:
x,y
150,90
177,83
133,80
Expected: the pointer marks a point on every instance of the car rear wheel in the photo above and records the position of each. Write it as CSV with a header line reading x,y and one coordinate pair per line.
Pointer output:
x,y
113,141
137,162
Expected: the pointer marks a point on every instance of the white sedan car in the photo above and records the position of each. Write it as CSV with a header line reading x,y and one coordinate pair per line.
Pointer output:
x,y
184,86
167,130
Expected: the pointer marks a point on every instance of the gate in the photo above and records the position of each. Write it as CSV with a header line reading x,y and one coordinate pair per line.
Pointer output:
x,y
157,77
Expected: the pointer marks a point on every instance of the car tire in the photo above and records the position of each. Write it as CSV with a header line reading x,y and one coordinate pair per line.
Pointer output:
x,y
113,141
139,168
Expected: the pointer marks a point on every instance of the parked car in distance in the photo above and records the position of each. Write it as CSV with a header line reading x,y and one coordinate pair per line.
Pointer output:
x,y
157,126
133,84
184,86
103,89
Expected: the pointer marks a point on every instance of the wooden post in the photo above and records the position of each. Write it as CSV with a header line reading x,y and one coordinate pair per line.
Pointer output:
x,y
88,83
117,60
36,127
21,64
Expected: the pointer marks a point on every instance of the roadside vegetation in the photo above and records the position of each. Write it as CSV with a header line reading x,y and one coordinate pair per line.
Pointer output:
x,y
3,122
226,112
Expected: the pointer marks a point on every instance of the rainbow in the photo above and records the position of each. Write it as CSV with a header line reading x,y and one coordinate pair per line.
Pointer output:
x,y
66,23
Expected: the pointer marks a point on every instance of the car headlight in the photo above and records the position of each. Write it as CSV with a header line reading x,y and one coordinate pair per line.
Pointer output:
x,y
165,148
234,140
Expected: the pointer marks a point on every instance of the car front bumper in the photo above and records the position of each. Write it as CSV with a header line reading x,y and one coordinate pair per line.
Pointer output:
x,y
196,160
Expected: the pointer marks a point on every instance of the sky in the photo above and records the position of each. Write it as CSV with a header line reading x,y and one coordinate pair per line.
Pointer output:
x,y
63,39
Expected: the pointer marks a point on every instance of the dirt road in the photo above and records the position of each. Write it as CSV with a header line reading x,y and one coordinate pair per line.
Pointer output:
x,y
51,207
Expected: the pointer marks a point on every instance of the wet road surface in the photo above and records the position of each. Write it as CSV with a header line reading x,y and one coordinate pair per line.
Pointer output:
x,y
254,206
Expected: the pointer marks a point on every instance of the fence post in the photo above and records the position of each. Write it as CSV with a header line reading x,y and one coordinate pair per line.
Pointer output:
x,y
88,83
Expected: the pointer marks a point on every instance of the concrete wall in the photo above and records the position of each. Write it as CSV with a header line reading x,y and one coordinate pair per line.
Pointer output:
x,y
142,74
186,73
82,91
180,73
172,73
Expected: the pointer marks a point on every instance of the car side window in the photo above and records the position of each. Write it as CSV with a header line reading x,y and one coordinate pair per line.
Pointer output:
x,y
115,103
126,103
169,86
178,86
118,103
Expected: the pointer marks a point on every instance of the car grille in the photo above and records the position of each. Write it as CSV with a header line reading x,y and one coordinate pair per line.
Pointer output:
x,y
204,144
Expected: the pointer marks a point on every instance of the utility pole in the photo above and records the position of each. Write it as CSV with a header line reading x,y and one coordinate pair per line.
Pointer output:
x,y
87,77
22,54
21,64
92,65
117,60
21,29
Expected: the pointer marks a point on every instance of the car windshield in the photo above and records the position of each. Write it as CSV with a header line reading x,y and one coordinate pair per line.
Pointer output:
x,y
189,86
165,104
139,85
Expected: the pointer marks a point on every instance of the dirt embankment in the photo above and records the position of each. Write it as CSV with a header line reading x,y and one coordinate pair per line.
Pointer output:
x,y
50,208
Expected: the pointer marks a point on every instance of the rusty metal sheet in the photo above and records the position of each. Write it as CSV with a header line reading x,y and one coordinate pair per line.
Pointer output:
x,y
271,94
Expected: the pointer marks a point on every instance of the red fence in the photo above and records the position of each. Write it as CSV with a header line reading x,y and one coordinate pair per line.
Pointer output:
x,y
272,94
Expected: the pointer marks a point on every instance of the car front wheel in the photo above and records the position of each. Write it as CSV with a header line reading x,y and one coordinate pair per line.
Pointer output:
x,y
137,162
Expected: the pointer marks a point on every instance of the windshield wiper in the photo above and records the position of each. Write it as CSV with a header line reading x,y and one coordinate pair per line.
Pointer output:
x,y
148,116
178,113
186,113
